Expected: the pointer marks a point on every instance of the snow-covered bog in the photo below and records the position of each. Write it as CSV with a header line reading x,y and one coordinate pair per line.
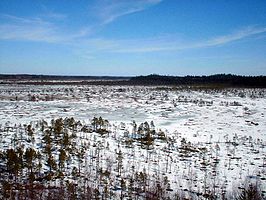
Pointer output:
x,y
131,141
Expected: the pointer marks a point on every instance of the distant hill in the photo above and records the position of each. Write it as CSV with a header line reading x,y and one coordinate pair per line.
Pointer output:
x,y
220,80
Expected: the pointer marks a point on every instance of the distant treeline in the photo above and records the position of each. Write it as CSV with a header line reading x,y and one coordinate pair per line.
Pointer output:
x,y
218,80
24,77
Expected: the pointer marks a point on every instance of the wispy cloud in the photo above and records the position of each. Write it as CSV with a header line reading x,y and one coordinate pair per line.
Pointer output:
x,y
54,16
37,30
50,13
107,11
90,47
170,44
44,30
29,29
238,35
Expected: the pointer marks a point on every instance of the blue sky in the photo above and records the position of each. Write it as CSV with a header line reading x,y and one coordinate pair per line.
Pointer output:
x,y
133,37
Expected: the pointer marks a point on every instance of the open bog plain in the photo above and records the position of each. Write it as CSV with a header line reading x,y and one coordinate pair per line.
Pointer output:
x,y
131,142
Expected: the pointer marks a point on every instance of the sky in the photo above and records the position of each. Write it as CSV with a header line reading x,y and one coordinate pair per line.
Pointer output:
x,y
133,37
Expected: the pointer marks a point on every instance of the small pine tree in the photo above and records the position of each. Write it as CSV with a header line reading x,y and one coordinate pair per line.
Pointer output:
x,y
251,192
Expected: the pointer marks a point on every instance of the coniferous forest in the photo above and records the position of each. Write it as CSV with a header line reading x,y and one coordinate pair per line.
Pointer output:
x,y
218,80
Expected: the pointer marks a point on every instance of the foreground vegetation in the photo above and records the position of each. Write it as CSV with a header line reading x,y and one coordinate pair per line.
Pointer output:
x,y
67,159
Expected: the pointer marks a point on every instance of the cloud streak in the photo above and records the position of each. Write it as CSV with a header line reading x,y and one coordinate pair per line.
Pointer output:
x,y
46,29
36,30
98,46
238,35
28,29
166,44
43,30
107,11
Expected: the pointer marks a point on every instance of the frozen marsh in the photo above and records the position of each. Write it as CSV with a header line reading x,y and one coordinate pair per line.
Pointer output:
x,y
131,142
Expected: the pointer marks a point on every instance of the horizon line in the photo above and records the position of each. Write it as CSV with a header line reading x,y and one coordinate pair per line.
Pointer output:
x,y
125,76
